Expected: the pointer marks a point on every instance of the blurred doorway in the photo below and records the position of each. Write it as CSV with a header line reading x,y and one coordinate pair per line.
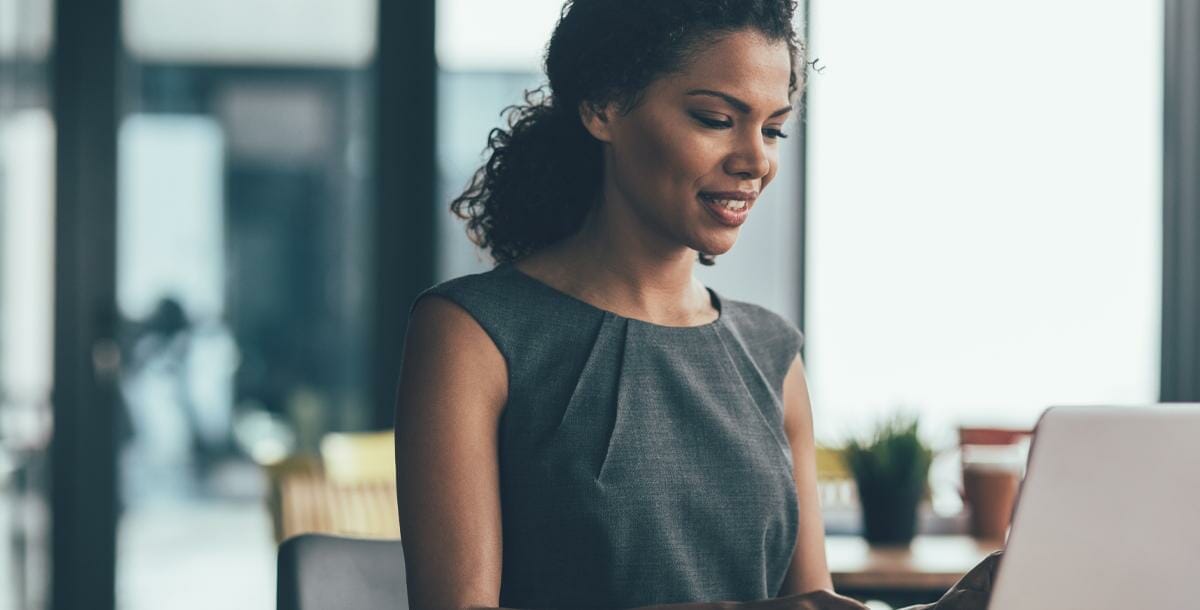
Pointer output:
x,y
242,278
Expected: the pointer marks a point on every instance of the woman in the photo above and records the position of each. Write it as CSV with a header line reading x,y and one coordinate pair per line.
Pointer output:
x,y
587,425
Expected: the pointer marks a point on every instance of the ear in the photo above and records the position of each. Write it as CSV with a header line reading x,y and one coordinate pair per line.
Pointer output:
x,y
597,120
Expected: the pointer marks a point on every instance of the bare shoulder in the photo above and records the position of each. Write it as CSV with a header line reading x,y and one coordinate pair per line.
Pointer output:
x,y
797,409
445,346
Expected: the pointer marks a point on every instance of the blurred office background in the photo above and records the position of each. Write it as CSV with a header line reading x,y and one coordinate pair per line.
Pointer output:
x,y
213,217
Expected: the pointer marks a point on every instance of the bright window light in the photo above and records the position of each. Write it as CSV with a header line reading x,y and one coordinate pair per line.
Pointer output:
x,y
275,32
984,209
491,36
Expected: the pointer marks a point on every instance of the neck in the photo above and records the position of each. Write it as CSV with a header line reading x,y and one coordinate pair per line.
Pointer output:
x,y
615,262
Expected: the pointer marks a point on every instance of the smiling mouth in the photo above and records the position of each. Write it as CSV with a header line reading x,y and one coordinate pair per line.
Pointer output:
x,y
733,205
735,200
730,208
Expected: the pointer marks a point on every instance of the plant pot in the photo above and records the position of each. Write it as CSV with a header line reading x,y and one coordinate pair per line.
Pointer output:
x,y
891,471
889,514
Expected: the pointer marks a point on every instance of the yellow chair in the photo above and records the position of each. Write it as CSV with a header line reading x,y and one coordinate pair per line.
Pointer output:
x,y
835,482
350,491
359,457
830,465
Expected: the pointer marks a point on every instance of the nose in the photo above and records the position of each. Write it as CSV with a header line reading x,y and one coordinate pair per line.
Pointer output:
x,y
750,159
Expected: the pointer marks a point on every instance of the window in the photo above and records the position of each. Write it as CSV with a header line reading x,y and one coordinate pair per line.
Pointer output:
x,y
26,300
984,209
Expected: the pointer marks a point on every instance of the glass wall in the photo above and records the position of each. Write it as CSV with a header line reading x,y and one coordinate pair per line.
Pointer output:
x,y
243,268
26,299
985,206
488,55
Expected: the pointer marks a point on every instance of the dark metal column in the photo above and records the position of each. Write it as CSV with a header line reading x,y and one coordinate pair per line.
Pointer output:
x,y
1180,379
406,183
86,359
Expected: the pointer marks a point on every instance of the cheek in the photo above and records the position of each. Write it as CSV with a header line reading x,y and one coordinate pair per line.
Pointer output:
x,y
665,161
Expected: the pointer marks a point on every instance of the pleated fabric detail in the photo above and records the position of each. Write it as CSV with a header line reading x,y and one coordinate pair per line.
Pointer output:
x,y
640,464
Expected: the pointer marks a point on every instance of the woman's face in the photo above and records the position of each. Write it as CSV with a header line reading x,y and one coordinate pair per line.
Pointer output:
x,y
689,160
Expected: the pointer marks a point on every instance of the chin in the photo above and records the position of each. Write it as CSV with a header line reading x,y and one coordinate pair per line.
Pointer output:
x,y
715,249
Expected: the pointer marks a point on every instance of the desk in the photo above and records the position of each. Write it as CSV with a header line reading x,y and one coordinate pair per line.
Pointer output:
x,y
916,574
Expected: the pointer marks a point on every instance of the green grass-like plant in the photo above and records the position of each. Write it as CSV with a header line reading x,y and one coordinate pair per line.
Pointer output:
x,y
891,470
893,456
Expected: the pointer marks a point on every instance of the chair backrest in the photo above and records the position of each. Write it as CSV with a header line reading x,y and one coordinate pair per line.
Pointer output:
x,y
359,457
319,572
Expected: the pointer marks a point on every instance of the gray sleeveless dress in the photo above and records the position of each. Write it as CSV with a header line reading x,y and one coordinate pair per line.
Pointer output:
x,y
639,463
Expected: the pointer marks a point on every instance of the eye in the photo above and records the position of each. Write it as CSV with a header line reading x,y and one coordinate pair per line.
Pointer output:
x,y
713,123
771,132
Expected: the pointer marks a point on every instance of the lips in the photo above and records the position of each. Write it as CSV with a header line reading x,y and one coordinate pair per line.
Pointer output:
x,y
725,215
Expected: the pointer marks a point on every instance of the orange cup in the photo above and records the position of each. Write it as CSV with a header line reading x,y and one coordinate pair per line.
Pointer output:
x,y
990,492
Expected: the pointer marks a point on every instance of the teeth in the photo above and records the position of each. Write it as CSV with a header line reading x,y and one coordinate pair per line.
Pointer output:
x,y
730,204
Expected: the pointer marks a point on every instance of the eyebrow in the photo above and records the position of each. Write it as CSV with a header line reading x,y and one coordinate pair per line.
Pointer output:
x,y
735,102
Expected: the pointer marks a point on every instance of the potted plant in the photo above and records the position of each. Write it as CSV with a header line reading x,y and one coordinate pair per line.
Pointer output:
x,y
891,470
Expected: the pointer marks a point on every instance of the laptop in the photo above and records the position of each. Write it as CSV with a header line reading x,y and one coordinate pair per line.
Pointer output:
x,y
1108,514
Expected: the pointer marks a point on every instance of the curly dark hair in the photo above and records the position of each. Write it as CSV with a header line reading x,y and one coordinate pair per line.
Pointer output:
x,y
544,173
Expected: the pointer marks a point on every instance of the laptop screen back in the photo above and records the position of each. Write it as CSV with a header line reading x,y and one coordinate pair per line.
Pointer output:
x,y
1109,512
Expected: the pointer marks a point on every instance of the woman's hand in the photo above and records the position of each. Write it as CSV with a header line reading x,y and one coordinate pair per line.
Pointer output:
x,y
821,599
972,591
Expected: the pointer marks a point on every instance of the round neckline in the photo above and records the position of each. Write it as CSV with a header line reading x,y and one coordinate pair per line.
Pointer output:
x,y
714,298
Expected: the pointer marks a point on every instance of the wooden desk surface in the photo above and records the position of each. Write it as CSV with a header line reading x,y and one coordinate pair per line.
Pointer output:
x,y
931,563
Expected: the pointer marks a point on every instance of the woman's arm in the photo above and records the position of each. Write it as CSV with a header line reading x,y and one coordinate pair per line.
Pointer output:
x,y
453,387
808,571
